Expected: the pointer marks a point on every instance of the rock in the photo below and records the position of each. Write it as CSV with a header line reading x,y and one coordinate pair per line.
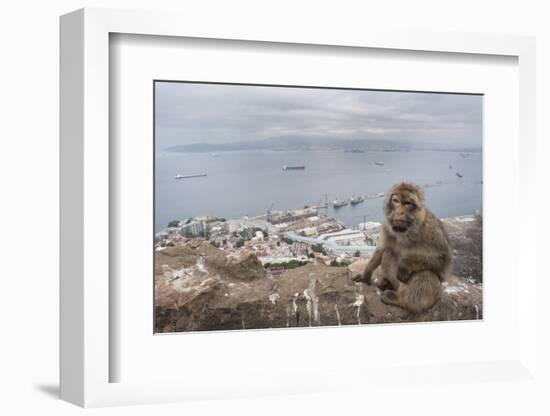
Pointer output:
x,y
312,295
214,261
466,241
247,269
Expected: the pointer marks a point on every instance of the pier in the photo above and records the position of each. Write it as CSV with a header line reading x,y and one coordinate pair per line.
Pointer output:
x,y
375,195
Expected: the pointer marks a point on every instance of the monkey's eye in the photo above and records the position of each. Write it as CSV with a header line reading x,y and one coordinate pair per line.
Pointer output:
x,y
409,204
395,200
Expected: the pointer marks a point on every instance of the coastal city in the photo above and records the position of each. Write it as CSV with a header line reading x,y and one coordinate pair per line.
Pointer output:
x,y
279,239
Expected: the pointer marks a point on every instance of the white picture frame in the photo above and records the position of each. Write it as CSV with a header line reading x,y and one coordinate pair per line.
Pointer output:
x,y
85,220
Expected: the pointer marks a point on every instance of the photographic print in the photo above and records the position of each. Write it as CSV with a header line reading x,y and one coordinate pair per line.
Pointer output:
x,y
287,206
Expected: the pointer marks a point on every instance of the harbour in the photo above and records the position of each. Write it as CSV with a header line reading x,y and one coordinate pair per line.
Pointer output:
x,y
250,182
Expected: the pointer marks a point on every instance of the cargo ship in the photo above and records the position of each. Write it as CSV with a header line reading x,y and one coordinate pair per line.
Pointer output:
x,y
354,200
196,175
286,167
338,204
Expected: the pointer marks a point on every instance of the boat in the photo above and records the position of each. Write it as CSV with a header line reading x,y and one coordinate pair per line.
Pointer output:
x,y
379,163
354,200
338,204
459,174
286,167
196,175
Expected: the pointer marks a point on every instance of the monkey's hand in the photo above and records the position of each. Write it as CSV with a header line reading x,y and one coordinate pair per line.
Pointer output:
x,y
404,273
363,278
386,283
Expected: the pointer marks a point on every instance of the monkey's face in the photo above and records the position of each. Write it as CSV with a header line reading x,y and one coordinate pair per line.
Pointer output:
x,y
404,211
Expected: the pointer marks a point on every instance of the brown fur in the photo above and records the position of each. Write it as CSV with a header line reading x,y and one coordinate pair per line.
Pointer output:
x,y
414,253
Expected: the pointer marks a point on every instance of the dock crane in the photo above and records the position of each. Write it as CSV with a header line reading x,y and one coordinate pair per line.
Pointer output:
x,y
269,212
364,216
368,238
320,203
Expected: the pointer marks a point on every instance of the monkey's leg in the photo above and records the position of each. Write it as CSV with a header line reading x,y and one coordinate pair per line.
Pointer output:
x,y
421,293
421,259
388,272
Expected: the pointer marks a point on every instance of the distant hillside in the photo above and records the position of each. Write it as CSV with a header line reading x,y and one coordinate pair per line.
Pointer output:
x,y
318,143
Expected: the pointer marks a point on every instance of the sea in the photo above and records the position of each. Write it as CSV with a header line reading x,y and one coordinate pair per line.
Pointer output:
x,y
249,183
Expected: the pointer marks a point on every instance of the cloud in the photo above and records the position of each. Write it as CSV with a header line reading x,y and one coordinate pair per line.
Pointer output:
x,y
211,113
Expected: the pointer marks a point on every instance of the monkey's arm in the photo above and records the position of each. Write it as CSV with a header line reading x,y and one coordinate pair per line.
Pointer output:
x,y
373,263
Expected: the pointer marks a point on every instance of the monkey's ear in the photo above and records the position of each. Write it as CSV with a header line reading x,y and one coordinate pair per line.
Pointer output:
x,y
387,202
420,194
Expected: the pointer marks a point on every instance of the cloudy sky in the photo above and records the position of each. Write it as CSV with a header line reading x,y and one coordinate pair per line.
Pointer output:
x,y
204,113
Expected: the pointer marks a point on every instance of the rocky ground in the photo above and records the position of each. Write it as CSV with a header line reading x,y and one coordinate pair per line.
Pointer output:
x,y
198,288
465,233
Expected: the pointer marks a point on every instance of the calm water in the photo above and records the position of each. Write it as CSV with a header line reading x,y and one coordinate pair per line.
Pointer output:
x,y
249,182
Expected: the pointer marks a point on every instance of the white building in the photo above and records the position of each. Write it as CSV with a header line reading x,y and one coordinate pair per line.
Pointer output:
x,y
193,228
310,231
278,260
369,226
345,237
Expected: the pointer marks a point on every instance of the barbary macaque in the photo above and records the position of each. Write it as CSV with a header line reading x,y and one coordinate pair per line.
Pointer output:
x,y
413,252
